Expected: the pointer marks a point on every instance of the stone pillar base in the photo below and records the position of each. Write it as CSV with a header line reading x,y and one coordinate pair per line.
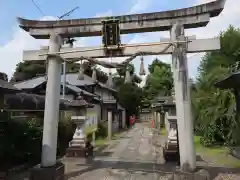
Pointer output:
x,y
76,152
48,173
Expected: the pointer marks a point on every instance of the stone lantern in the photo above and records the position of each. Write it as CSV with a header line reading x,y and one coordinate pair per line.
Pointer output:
x,y
77,145
171,149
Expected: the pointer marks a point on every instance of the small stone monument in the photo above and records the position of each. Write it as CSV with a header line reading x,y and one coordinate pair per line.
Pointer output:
x,y
171,150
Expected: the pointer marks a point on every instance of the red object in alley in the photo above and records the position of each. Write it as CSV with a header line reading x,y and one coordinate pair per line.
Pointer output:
x,y
132,120
152,123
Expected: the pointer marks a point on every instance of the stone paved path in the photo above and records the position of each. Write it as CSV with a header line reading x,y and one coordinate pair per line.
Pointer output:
x,y
136,155
132,157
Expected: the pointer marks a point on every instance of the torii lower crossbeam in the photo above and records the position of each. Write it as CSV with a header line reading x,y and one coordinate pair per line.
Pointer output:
x,y
194,46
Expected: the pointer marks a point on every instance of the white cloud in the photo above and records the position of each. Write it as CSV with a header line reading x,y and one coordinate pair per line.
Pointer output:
x,y
107,13
139,6
229,16
48,18
11,53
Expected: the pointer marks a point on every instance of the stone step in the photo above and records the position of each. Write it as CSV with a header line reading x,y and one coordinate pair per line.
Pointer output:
x,y
77,143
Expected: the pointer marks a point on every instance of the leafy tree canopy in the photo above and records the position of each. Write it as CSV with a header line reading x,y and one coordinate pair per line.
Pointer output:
x,y
30,69
159,81
214,109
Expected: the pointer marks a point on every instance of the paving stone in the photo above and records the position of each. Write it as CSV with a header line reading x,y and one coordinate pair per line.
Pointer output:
x,y
137,155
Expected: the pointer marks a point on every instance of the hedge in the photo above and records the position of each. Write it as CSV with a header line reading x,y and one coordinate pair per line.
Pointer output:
x,y
22,139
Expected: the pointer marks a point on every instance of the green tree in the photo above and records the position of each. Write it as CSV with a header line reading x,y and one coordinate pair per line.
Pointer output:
x,y
159,81
214,109
122,71
157,62
30,69
130,94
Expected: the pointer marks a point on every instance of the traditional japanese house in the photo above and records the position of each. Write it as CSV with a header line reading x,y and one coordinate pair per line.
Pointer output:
x,y
100,95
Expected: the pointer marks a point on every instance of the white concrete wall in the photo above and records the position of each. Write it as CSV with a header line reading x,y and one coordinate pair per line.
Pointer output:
x,y
115,127
167,125
95,111
104,93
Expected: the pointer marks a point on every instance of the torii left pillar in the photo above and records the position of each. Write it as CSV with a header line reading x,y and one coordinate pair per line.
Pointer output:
x,y
50,169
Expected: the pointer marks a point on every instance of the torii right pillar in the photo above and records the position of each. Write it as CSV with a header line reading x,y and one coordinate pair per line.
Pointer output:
x,y
183,101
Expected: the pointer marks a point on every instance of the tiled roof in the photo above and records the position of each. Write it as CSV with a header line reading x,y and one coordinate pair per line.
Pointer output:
x,y
7,85
27,101
79,90
31,83
77,103
71,78
105,86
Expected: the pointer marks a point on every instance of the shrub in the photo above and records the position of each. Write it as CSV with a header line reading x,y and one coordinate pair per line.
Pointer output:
x,y
101,131
22,141
66,130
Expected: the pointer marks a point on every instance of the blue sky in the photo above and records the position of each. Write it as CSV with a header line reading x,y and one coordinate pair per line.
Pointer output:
x,y
10,9
13,40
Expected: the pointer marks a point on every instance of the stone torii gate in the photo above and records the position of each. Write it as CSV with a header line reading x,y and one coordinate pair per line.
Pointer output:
x,y
179,45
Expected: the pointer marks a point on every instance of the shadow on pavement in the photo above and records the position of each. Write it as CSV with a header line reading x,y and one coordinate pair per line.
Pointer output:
x,y
104,150
145,168
130,167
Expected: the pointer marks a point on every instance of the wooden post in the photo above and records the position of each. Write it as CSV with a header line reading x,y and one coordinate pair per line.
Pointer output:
x,y
109,125
93,138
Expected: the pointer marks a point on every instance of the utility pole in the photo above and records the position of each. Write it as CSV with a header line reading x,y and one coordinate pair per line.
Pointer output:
x,y
70,42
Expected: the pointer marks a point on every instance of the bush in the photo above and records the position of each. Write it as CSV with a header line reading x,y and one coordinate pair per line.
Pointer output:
x,y
22,141
101,132
66,130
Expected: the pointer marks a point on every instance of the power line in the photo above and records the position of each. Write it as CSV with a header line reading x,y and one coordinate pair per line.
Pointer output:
x,y
68,13
37,6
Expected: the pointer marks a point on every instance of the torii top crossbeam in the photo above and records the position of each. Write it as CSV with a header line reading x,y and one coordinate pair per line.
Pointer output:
x,y
192,17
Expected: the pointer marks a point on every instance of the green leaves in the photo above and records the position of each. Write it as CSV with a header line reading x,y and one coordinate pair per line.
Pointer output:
x,y
130,97
159,81
22,142
30,69
214,109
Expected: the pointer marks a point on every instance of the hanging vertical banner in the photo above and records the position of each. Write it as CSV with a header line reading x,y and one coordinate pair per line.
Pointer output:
x,y
111,33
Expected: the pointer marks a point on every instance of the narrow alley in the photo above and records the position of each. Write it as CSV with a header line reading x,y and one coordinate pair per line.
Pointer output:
x,y
132,156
